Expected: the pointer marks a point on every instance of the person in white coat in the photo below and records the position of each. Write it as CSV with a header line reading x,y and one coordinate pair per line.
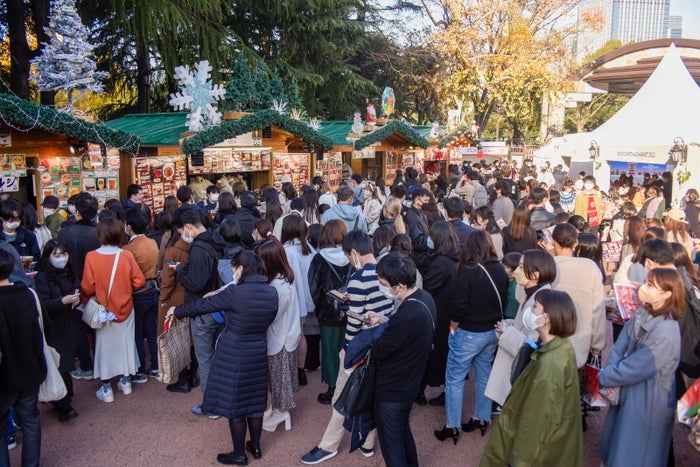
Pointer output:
x,y
372,207
283,336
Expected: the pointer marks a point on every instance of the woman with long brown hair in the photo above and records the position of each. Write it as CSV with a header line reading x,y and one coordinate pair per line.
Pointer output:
x,y
283,336
675,226
642,364
519,236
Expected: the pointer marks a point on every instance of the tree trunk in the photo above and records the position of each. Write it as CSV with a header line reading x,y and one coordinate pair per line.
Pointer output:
x,y
19,49
143,104
40,15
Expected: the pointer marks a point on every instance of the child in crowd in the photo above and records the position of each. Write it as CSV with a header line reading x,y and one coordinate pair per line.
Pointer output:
x,y
511,261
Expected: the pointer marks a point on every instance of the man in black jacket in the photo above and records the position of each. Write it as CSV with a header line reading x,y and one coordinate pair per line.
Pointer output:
x,y
80,238
247,215
540,218
417,228
199,277
22,363
401,354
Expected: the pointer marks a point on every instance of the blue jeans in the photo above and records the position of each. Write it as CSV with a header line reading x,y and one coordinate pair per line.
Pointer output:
x,y
25,404
146,315
205,331
467,347
394,432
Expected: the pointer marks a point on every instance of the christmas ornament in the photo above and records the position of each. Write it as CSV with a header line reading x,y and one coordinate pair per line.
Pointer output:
x,y
198,94
388,101
371,115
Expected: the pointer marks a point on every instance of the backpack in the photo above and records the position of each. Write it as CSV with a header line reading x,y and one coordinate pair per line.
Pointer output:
x,y
481,197
690,333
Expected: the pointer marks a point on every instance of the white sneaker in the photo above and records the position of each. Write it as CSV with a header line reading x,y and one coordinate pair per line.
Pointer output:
x,y
124,387
105,394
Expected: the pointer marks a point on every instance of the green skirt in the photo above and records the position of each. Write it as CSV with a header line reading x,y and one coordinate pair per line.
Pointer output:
x,y
332,338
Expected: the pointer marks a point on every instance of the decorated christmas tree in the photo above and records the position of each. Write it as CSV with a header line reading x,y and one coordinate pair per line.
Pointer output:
x,y
65,63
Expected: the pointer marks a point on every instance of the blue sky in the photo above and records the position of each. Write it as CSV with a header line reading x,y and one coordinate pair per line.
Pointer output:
x,y
690,10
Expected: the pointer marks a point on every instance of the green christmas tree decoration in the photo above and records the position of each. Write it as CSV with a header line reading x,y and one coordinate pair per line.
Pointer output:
x,y
277,92
65,63
261,83
240,89
293,96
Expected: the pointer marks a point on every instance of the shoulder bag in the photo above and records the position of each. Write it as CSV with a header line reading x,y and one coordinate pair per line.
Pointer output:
x,y
358,394
498,294
94,310
53,388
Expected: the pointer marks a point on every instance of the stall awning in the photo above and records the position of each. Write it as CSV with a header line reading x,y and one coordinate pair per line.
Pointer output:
x,y
19,112
157,129
395,126
251,122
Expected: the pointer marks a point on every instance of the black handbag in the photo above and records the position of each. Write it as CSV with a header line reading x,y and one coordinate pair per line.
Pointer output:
x,y
358,394
522,359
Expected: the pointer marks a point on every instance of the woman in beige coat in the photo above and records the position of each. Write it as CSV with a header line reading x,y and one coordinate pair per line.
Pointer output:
x,y
535,272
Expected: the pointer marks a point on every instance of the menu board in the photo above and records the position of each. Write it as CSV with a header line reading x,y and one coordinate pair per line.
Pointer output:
x,y
231,160
160,176
391,166
296,165
100,172
13,165
331,168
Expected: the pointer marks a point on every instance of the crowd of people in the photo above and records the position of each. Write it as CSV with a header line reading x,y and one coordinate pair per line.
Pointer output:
x,y
486,273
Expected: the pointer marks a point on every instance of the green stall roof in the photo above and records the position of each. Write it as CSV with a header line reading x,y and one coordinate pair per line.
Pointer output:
x,y
158,129
31,115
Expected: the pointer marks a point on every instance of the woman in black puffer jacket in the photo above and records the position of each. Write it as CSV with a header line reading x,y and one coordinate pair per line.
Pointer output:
x,y
329,270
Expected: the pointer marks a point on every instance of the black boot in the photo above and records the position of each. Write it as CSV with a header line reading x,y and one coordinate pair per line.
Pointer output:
x,y
326,398
182,385
302,377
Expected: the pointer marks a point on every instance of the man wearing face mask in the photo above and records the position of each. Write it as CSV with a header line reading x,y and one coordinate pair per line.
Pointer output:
x,y
199,277
589,204
51,215
364,295
210,203
417,229
22,239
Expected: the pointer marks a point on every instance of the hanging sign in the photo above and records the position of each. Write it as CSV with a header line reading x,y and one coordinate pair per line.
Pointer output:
x,y
9,183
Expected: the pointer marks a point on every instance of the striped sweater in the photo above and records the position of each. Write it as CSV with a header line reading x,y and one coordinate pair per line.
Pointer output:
x,y
364,294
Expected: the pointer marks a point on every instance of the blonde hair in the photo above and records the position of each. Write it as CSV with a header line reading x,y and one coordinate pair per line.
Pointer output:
x,y
392,209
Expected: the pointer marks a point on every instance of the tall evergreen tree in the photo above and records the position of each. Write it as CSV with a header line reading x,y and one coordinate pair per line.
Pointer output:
x,y
294,98
277,92
262,98
240,88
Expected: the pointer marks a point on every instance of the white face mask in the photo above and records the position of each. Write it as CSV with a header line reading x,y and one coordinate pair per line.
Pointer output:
x,y
48,211
59,263
11,225
429,243
186,238
236,279
588,186
386,291
530,319
357,263
578,184
214,197
4,197
71,209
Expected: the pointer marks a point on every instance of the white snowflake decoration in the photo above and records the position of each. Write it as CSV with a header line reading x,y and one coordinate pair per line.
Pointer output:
x,y
315,124
199,95
279,106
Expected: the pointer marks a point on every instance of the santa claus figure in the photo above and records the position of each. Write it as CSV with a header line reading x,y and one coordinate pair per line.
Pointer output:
x,y
371,119
474,128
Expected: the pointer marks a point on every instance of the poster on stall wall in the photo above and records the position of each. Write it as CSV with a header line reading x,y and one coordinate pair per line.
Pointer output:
x,y
100,173
12,166
365,153
331,168
231,160
392,164
60,177
160,176
296,165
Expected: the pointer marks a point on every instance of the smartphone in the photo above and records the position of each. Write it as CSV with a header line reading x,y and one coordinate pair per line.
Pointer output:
x,y
338,295
357,316
170,262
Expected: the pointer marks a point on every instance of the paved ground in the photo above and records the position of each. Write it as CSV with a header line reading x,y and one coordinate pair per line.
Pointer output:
x,y
154,427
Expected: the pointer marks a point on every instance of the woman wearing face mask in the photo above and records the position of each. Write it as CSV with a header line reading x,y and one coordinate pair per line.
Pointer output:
x,y
237,387
19,237
540,423
483,219
372,207
642,364
478,295
58,291
536,272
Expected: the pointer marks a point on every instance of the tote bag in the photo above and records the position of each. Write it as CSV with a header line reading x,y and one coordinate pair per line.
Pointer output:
x,y
53,388
173,349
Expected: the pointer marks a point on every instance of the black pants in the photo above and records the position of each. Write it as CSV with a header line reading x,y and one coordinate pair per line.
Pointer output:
x,y
394,432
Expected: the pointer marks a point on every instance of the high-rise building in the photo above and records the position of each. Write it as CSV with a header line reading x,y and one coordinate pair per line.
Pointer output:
x,y
675,27
625,20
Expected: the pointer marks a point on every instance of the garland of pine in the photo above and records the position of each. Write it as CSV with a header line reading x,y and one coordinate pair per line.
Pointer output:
x,y
461,131
251,122
31,115
389,129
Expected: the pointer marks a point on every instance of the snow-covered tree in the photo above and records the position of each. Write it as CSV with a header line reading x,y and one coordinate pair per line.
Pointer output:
x,y
65,63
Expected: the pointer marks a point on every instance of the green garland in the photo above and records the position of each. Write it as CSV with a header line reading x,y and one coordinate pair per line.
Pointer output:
x,y
30,115
461,131
389,129
256,121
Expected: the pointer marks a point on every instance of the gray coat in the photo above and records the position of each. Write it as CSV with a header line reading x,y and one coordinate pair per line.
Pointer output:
x,y
643,362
